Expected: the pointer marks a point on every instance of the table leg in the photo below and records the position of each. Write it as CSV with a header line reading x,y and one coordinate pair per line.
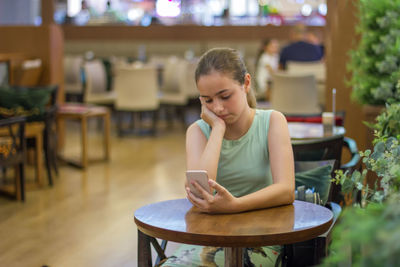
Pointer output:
x,y
144,250
107,136
234,257
84,142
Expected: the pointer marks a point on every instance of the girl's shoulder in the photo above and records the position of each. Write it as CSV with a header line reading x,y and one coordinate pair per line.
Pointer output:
x,y
270,116
199,126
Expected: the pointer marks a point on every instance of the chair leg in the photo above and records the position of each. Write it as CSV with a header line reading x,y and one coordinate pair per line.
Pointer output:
x,y
47,155
48,166
119,123
22,180
53,140
155,120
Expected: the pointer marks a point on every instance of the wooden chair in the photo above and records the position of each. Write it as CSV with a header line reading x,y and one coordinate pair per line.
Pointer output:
x,y
48,117
12,153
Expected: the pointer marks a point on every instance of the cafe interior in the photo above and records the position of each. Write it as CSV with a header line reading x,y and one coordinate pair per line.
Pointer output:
x,y
96,97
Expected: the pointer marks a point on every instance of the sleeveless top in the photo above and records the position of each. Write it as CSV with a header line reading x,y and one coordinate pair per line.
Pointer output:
x,y
244,166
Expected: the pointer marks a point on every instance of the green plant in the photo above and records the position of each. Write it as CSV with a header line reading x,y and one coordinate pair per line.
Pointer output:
x,y
369,237
388,122
385,162
375,61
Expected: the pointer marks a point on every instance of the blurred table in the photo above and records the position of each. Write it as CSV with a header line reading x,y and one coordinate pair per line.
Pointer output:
x,y
305,130
177,220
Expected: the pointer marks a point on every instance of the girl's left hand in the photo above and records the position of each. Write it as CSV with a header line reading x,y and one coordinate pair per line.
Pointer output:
x,y
221,202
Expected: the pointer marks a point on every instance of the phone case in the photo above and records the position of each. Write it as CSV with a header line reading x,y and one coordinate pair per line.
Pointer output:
x,y
201,177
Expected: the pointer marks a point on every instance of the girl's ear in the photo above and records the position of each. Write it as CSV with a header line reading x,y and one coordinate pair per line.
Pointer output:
x,y
247,82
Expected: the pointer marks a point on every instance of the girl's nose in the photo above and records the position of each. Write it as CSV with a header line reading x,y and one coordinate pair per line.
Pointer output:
x,y
217,106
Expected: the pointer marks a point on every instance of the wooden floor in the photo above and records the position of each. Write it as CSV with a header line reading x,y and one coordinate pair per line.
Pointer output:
x,y
86,218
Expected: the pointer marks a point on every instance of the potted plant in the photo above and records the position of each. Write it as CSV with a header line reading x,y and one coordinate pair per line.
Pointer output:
x,y
368,232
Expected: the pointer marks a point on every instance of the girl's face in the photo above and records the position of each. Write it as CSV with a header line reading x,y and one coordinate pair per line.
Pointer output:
x,y
223,95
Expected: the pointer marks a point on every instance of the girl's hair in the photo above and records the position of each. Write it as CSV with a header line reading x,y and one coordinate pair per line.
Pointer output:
x,y
227,61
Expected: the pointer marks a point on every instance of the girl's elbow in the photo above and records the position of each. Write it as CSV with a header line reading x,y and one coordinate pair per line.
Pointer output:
x,y
289,195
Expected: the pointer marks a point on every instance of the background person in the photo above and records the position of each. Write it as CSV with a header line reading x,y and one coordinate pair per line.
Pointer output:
x,y
300,49
266,64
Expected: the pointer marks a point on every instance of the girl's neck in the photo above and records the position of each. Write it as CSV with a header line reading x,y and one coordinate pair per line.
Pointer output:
x,y
241,127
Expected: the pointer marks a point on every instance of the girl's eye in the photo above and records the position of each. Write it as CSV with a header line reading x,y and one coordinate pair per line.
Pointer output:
x,y
208,101
226,97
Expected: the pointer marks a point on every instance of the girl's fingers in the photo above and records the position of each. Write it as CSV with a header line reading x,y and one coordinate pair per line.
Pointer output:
x,y
205,194
219,188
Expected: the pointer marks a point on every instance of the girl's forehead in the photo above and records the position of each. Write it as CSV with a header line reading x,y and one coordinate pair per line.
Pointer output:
x,y
214,74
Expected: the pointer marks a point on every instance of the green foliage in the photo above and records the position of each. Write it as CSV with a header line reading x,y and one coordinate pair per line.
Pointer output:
x,y
388,122
385,162
375,62
369,237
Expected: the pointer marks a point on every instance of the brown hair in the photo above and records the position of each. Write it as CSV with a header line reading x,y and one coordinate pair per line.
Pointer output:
x,y
227,61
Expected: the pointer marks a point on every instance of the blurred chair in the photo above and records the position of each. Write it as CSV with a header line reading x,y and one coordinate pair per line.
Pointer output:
x,y
50,133
173,93
12,153
137,91
73,84
316,68
311,159
313,179
189,83
294,94
328,148
39,105
95,90
28,73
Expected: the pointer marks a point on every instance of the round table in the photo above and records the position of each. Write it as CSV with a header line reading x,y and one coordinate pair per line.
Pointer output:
x,y
177,220
306,130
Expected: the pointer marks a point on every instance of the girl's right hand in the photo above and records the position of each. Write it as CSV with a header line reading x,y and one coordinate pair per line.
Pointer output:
x,y
210,118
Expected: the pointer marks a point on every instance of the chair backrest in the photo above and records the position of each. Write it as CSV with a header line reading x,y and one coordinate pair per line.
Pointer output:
x,y
329,148
318,149
95,78
174,84
28,73
172,76
136,88
316,68
72,74
189,83
294,94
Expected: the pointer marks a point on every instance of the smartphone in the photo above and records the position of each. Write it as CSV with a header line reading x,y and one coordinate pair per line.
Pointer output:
x,y
201,177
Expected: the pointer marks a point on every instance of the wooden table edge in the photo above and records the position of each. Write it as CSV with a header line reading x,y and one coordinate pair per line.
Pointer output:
x,y
232,241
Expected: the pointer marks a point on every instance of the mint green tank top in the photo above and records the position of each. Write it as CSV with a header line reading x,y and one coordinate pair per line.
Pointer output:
x,y
244,166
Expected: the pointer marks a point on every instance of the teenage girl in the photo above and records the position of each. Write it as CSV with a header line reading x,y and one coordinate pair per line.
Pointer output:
x,y
246,152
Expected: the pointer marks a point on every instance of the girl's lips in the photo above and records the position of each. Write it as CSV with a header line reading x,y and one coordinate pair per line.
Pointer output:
x,y
223,116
